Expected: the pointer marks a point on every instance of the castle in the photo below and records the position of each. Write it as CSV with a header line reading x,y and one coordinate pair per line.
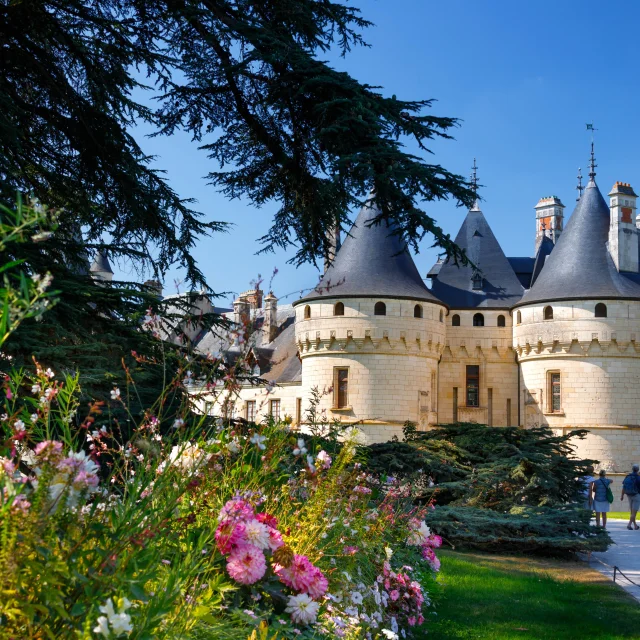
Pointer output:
x,y
548,340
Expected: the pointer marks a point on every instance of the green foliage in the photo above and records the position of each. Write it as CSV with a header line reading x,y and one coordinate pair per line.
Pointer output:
x,y
497,487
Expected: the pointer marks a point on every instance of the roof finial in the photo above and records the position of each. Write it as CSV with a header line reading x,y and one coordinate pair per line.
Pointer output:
x,y
592,161
580,188
474,185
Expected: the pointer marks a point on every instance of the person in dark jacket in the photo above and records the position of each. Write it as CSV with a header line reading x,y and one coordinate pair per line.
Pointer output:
x,y
631,488
600,503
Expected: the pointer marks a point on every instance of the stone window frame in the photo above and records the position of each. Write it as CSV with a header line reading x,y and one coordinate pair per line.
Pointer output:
x,y
338,309
250,416
455,320
478,319
307,312
336,389
503,320
275,416
379,308
600,306
549,376
518,317
418,311
468,386
441,315
547,313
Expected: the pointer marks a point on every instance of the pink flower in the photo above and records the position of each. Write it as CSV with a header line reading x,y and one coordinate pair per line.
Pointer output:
x,y
246,564
236,509
20,503
299,575
275,539
394,595
319,584
434,541
229,534
350,551
48,450
411,620
267,519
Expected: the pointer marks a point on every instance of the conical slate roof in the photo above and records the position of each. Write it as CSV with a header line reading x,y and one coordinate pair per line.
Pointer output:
x,y
372,262
544,250
501,288
101,263
580,266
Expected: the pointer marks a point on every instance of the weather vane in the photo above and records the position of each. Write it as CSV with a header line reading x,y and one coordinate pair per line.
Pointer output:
x,y
474,178
592,162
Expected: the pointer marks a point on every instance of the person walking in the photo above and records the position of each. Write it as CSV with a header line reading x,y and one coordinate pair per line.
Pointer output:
x,y
631,488
588,489
600,500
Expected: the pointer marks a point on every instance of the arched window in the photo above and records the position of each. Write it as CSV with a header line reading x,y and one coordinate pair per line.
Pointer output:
x,y
548,313
417,311
601,310
338,309
501,322
455,320
478,320
441,315
380,309
307,312
518,318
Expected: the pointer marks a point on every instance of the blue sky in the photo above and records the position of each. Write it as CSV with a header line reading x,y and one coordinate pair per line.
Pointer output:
x,y
524,78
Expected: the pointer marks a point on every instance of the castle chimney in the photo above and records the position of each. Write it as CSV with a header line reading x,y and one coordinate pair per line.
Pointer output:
x,y
549,219
155,286
623,230
240,310
270,325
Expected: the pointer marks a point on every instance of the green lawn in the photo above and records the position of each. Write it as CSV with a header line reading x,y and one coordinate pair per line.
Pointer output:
x,y
500,598
618,515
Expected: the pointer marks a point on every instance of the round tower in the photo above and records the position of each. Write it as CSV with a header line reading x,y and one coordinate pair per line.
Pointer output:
x,y
370,335
575,332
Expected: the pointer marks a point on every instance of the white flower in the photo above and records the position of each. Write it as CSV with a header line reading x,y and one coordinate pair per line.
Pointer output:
x,y
258,440
115,394
188,458
257,534
356,597
300,449
302,608
34,417
420,535
233,446
389,634
119,621
18,425
49,373
178,423
36,388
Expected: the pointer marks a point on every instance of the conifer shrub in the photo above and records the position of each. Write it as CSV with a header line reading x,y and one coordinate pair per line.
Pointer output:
x,y
496,488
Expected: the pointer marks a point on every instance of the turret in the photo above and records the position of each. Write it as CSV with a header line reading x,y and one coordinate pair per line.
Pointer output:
x,y
623,232
101,269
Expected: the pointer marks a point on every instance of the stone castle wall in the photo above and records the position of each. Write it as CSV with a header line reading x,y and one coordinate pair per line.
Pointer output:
x,y
392,361
598,360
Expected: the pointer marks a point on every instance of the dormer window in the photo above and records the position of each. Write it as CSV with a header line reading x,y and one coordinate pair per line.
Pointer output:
x,y
476,281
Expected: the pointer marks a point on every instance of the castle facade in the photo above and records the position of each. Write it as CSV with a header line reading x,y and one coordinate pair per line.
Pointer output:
x,y
546,340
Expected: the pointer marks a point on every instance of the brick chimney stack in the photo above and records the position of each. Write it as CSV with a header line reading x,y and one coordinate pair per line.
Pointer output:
x,y
549,219
623,232
270,325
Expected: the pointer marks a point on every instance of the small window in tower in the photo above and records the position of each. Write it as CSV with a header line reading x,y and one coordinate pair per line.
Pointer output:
x,y
473,385
476,281
338,309
441,315
501,321
307,312
518,318
380,309
555,392
478,320
601,310
340,388
417,311
455,320
548,313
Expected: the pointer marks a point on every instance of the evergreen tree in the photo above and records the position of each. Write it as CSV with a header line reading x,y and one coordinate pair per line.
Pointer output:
x,y
245,79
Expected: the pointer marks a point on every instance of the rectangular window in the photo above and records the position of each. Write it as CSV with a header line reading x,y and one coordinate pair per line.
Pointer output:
x,y
473,385
340,388
274,409
251,411
555,392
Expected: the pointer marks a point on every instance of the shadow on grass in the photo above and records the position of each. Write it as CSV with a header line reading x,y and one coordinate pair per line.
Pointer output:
x,y
505,597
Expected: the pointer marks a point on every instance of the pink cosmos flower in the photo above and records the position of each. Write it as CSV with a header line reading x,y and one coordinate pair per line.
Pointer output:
x,y
394,594
267,519
48,450
246,564
229,534
236,509
411,620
